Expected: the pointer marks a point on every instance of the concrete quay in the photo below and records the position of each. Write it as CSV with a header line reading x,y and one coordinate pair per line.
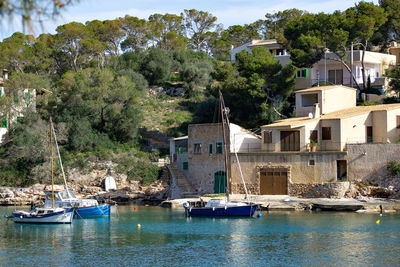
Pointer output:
x,y
289,203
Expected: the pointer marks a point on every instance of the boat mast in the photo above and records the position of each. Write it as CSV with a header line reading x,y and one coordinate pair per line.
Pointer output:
x,y
59,158
223,112
52,176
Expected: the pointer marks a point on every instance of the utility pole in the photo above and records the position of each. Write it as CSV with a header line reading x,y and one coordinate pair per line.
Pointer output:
x,y
351,65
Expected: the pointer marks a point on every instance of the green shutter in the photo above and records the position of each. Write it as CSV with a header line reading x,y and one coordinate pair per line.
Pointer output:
x,y
210,150
219,147
18,119
185,165
27,97
4,122
306,74
1,91
16,97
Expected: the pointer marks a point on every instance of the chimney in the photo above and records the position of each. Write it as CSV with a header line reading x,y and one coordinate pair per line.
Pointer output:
x,y
5,75
316,111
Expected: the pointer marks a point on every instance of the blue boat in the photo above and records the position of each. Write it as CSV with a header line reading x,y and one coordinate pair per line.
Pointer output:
x,y
83,208
220,207
93,211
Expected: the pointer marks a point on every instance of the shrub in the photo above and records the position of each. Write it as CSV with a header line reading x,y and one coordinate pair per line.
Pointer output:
x,y
393,167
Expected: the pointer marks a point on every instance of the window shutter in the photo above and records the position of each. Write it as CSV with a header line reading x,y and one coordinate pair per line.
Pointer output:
x,y
27,97
16,97
210,149
4,122
306,74
185,165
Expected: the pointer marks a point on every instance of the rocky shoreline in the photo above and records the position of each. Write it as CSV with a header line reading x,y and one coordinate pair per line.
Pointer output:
x,y
91,185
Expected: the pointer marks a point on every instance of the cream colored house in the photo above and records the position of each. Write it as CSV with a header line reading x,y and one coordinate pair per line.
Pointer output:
x,y
22,100
329,116
329,69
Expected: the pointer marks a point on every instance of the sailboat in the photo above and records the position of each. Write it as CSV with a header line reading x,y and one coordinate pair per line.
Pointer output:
x,y
47,214
65,198
222,207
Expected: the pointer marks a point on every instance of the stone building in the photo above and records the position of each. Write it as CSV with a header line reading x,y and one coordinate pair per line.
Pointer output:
x,y
201,158
330,141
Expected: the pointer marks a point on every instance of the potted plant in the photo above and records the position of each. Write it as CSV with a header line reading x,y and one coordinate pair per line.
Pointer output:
x,y
313,146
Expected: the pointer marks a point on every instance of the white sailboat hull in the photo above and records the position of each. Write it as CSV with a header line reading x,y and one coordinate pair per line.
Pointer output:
x,y
60,217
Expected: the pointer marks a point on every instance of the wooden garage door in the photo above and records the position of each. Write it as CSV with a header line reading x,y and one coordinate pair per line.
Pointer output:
x,y
273,181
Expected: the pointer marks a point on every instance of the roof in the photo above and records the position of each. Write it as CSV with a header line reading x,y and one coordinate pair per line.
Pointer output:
x,y
323,88
245,130
264,42
179,138
340,114
291,122
359,110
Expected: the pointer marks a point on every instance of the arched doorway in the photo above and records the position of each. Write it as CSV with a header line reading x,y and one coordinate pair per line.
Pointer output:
x,y
219,182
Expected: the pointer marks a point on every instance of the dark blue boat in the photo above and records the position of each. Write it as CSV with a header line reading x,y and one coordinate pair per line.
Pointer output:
x,y
218,207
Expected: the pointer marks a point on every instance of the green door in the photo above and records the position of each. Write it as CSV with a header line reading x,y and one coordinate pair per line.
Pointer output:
x,y
219,182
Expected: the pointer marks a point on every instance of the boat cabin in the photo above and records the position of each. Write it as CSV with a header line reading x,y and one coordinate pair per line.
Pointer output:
x,y
66,199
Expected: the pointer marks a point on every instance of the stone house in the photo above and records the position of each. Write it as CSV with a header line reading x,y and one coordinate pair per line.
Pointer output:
x,y
353,143
329,69
22,100
200,155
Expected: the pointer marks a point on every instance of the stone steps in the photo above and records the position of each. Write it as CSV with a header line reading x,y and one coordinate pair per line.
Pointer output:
x,y
181,181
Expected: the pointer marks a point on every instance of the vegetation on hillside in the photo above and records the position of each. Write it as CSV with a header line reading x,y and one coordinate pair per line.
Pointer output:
x,y
104,80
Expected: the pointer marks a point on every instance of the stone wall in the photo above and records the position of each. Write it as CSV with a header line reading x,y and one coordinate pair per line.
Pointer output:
x,y
367,162
329,190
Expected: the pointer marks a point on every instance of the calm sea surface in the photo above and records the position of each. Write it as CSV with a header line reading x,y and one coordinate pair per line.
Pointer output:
x,y
168,238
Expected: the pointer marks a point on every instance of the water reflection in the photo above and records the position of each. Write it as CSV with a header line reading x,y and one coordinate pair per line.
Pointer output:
x,y
168,238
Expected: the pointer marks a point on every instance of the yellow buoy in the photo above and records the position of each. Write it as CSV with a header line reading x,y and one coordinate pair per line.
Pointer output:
x,y
139,225
378,222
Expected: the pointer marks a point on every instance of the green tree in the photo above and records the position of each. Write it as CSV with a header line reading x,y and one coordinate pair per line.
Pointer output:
x,y
156,66
198,24
167,31
394,74
138,33
17,52
69,41
255,88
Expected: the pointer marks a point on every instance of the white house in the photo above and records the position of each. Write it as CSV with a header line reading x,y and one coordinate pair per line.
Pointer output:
x,y
329,69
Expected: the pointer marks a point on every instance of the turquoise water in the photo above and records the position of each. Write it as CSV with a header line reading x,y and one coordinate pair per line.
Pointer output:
x,y
168,238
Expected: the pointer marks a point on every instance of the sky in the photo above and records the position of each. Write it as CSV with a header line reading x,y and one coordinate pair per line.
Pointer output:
x,y
228,12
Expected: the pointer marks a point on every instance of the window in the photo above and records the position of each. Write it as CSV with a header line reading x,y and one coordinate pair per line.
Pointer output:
x,y
27,97
210,149
311,162
326,133
302,73
197,148
314,136
18,119
218,147
4,122
398,121
267,137
185,165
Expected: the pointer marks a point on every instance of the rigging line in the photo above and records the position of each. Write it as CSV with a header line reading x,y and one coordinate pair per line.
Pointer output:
x,y
59,158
